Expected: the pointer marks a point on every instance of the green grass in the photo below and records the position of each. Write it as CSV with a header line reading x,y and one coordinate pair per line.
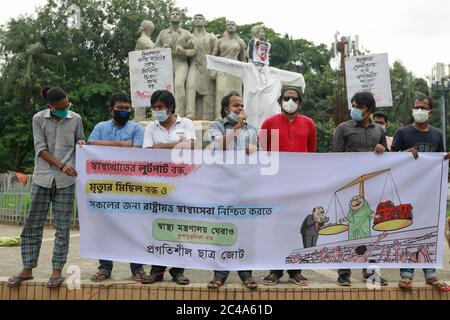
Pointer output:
x,y
11,201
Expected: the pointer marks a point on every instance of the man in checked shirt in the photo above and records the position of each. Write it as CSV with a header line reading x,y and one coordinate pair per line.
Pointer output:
x,y
233,133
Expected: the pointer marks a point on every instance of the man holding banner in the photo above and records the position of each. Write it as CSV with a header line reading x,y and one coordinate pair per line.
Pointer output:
x,y
233,133
360,134
415,138
118,132
56,132
297,133
169,131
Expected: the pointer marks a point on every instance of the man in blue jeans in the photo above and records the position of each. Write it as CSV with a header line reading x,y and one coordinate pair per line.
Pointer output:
x,y
118,132
415,138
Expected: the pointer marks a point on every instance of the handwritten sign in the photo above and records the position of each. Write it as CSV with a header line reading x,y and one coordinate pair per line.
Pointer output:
x,y
150,70
369,73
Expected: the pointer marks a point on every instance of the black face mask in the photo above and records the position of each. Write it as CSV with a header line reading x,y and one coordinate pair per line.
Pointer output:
x,y
122,117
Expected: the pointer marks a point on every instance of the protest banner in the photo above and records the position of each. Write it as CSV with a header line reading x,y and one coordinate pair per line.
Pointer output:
x,y
147,206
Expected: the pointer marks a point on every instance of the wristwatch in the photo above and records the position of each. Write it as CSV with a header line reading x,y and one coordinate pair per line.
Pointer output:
x,y
62,167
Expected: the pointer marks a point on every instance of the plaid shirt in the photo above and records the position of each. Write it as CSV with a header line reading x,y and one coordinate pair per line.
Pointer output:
x,y
59,139
246,136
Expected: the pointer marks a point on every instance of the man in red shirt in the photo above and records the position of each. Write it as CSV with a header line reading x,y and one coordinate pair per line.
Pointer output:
x,y
296,133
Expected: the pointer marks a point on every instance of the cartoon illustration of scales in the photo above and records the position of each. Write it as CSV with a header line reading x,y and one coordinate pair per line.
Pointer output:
x,y
388,217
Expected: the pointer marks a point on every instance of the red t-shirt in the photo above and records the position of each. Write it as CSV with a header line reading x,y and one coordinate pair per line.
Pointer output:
x,y
296,136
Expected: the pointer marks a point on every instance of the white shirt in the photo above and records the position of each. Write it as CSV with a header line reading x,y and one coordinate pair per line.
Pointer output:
x,y
262,86
183,129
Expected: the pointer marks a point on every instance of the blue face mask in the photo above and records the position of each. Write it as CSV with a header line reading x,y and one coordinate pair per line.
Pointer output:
x,y
161,116
357,114
62,114
122,117
233,117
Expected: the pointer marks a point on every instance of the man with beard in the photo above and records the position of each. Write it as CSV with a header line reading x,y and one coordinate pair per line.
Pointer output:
x,y
296,133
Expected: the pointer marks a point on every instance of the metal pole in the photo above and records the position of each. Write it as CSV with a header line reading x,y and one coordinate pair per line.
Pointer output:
x,y
443,124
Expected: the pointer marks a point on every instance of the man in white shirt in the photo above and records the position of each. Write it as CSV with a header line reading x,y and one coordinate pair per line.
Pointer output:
x,y
169,131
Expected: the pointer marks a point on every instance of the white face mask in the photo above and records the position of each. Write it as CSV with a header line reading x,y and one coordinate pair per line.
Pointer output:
x,y
421,116
290,106
382,127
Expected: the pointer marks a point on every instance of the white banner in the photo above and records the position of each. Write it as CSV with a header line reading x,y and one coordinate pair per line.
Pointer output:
x,y
369,73
150,70
315,211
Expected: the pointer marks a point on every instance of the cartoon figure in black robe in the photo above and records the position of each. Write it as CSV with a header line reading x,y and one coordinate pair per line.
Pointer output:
x,y
311,227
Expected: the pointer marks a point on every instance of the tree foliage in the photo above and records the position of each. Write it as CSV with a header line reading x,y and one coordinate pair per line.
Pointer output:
x,y
91,64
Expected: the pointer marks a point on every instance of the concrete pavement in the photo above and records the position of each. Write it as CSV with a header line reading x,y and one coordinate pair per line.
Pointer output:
x,y
11,263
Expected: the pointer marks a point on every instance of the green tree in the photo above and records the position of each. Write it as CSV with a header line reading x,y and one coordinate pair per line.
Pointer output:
x,y
94,64
405,87
27,60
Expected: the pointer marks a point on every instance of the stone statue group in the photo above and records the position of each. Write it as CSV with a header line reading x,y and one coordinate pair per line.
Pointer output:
x,y
198,88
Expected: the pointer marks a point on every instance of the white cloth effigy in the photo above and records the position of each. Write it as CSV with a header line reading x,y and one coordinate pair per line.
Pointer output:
x,y
262,86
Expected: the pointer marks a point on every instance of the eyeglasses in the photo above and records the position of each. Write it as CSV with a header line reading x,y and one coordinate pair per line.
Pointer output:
x,y
422,108
120,109
357,106
295,99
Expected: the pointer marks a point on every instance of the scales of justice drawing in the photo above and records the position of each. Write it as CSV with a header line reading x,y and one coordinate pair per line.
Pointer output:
x,y
388,216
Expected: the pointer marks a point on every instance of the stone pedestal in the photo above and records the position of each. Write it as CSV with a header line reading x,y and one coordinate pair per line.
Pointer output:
x,y
140,114
201,132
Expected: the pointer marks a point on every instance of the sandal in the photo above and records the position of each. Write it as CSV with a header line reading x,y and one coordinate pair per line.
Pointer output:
x,y
55,282
271,280
100,276
215,284
153,278
250,283
439,285
16,281
139,275
405,284
299,280
181,280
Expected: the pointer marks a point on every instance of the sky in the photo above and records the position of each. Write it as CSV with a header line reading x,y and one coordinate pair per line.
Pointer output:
x,y
415,32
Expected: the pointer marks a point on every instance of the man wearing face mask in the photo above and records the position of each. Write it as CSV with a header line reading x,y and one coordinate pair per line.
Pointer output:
x,y
169,131
297,133
118,132
419,136
360,134
56,131
382,120
233,133
415,138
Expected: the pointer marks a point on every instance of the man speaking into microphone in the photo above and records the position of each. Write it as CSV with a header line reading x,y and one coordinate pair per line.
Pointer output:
x,y
233,132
